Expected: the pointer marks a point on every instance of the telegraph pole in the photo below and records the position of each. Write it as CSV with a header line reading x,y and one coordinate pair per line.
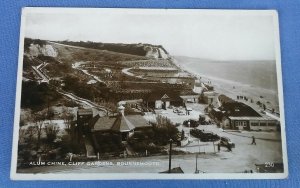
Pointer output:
x,y
170,155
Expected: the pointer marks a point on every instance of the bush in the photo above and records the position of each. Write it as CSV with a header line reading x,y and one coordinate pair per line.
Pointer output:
x,y
36,96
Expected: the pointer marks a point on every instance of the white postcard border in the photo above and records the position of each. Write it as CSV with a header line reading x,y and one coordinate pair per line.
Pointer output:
x,y
144,176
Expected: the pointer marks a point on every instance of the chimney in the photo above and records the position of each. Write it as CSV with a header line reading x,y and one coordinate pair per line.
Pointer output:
x,y
121,109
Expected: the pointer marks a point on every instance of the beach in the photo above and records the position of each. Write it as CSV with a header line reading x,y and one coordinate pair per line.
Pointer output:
x,y
232,88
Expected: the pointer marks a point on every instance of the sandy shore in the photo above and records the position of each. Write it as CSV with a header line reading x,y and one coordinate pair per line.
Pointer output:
x,y
233,88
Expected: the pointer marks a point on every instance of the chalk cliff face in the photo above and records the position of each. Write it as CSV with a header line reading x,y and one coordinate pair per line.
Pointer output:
x,y
46,50
156,52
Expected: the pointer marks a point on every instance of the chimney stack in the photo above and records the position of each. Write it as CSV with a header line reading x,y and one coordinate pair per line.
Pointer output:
x,y
121,109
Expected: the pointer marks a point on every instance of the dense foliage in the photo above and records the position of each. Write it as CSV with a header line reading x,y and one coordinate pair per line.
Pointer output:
x,y
37,96
82,89
29,41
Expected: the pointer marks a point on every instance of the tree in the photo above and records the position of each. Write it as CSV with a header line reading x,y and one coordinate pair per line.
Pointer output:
x,y
39,119
51,133
68,118
164,131
30,133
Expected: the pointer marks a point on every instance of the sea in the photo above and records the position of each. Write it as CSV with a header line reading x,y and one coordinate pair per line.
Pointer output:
x,y
261,74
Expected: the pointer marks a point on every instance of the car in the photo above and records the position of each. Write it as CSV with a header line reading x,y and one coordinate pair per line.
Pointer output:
x,y
180,113
224,141
205,136
210,137
193,123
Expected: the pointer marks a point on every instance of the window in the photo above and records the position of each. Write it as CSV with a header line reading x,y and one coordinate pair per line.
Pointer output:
x,y
262,124
244,123
254,124
272,124
241,123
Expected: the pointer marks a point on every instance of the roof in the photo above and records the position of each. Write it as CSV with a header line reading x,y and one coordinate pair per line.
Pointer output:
x,y
209,93
238,109
235,108
138,121
122,124
163,95
85,111
225,99
252,118
189,96
198,89
102,123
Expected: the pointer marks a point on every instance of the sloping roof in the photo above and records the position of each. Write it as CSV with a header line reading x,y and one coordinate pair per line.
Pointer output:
x,y
266,118
138,121
159,95
102,123
122,124
235,108
238,109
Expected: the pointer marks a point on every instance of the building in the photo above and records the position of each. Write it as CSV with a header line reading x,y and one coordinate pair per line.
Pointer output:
x,y
208,97
162,100
190,98
237,115
110,129
253,123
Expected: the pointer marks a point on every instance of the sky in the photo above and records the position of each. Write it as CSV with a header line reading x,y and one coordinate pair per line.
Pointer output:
x,y
217,35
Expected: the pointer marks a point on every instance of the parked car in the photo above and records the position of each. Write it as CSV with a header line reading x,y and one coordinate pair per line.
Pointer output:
x,y
180,113
193,123
205,136
175,110
210,137
224,141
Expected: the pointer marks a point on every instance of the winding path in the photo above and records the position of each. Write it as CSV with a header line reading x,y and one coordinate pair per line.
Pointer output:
x,y
87,102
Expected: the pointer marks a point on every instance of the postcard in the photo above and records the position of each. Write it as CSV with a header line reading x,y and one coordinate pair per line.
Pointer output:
x,y
149,94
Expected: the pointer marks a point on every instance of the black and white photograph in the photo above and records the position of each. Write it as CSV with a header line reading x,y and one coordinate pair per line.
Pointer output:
x,y
149,94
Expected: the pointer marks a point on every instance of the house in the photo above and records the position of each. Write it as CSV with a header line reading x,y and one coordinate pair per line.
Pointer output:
x,y
162,100
123,124
190,98
208,97
119,127
99,133
253,123
237,115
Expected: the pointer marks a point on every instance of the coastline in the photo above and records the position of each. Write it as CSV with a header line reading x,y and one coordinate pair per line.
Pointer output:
x,y
233,88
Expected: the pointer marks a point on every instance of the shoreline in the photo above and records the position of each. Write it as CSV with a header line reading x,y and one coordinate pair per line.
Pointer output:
x,y
233,88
